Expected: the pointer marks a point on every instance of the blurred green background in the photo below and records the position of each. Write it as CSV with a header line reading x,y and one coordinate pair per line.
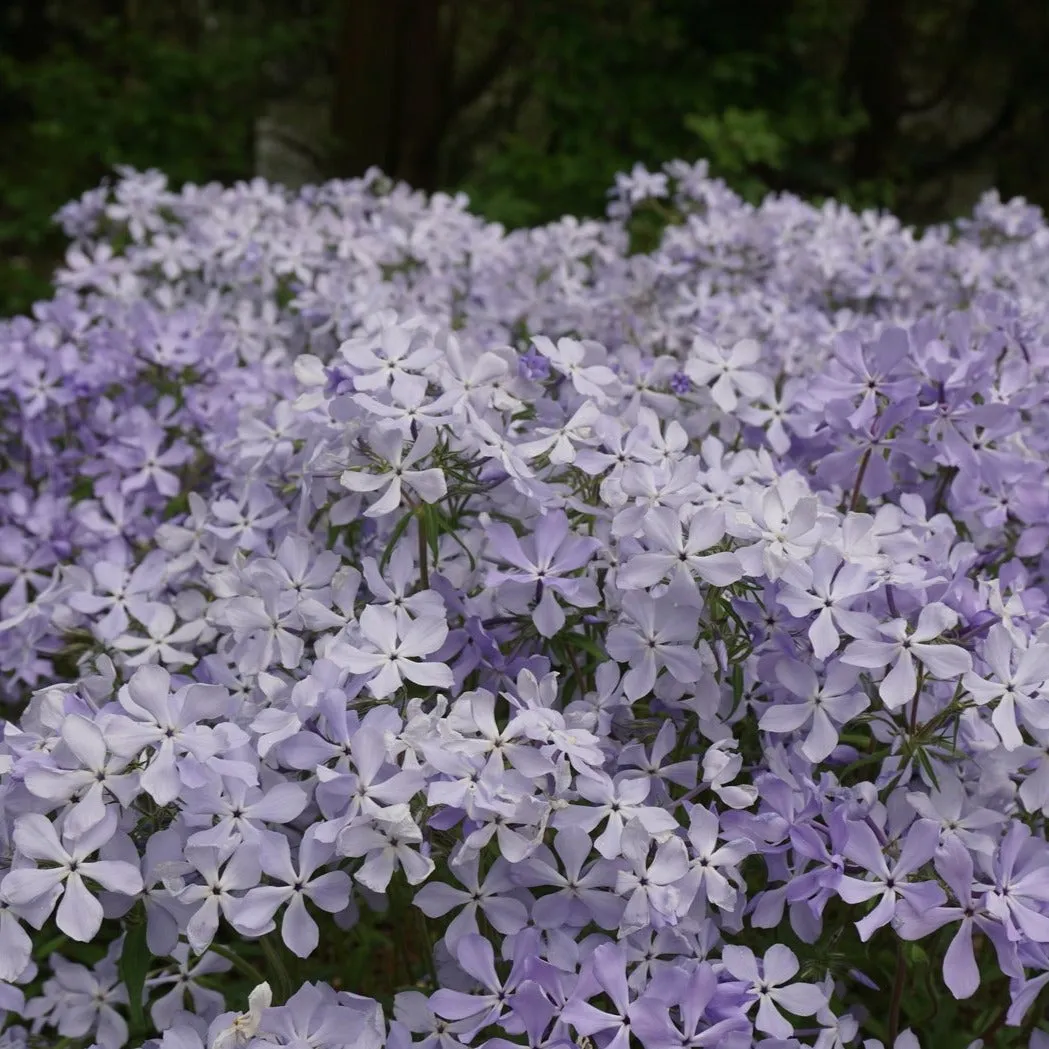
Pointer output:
x,y
530,106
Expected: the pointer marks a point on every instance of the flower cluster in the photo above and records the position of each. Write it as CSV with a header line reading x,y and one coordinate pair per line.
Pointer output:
x,y
644,650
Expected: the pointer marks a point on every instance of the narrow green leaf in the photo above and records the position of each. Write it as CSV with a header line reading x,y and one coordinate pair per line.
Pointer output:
x,y
587,644
133,966
398,530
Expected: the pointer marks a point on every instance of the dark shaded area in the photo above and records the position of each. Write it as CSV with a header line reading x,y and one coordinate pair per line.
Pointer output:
x,y
529,105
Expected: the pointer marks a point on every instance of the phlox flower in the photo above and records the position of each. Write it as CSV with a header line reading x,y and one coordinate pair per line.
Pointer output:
x,y
79,914
731,371
397,470
389,656
944,661
545,562
297,882
768,981
654,634
890,881
827,705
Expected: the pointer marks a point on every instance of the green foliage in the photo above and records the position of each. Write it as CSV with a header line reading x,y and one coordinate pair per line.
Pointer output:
x,y
150,91
134,962
548,100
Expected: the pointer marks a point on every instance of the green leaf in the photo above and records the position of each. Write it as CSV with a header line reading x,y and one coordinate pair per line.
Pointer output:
x,y
398,530
579,640
134,963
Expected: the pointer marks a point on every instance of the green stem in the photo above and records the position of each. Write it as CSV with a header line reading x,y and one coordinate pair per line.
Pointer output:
x,y
897,994
424,569
915,701
855,500
990,1036
276,962
244,966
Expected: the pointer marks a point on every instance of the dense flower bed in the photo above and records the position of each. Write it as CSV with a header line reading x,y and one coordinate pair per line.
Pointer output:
x,y
415,633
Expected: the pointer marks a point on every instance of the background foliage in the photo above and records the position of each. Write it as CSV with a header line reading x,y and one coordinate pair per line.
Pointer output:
x,y
530,106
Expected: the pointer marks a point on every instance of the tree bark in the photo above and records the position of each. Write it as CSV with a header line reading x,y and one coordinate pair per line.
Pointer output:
x,y
874,71
389,89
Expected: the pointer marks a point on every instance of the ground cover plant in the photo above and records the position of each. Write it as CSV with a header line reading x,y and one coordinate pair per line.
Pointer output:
x,y
609,634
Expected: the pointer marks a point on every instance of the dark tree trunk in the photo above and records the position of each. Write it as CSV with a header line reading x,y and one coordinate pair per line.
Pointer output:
x,y
875,73
390,90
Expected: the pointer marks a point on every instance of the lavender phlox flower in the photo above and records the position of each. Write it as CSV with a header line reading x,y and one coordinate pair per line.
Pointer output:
x,y
163,861
582,891
246,519
213,897
476,957
647,487
770,411
411,1010
397,470
22,565
620,444
141,456
473,380
318,1015
713,868
120,591
153,717
390,655
394,589
1013,690
652,760
900,684
87,1002
296,882
699,997
781,529
949,804
239,812
395,360
559,443
768,981
667,437
491,895
544,564
731,370
827,705
595,381
303,574
616,801
83,769
654,634
835,587
889,879
821,851
960,972
1025,993
516,820
163,635
639,184
384,846
683,556
473,715
605,974
185,980
79,914
872,373
1017,885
